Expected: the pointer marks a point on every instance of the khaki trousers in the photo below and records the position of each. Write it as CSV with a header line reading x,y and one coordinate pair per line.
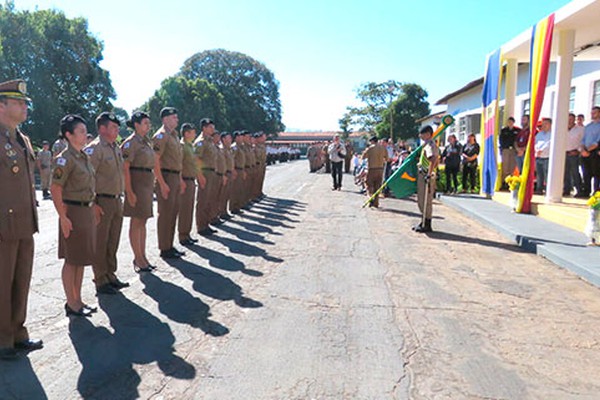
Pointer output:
x,y
215,204
374,180
167,211
16,263
186,209
236,190
224,196
205,199
45,175
108,235
425,202
509,162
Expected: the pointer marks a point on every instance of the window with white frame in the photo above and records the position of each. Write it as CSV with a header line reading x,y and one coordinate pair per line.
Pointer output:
x,y
572,99
596,94
526,107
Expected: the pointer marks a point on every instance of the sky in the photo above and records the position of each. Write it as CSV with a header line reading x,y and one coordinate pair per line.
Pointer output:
x,y
319,50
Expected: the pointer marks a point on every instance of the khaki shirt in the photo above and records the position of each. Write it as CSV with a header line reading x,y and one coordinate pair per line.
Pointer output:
x,y
239,157
18,213
206,152
167,146
190,166
229,162
376,156
257,154
73,170
250,158
263,153
45,158
431,152
58,146
137,150
221,161
107,161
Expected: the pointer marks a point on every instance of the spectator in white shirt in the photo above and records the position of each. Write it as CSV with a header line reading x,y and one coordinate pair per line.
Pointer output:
x,y
542,154
572,177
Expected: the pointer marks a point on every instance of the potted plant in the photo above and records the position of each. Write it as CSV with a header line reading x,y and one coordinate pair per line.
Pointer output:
x,y
514,181
592,230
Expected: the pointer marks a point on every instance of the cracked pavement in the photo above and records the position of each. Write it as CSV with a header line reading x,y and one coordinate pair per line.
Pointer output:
x,y
310,296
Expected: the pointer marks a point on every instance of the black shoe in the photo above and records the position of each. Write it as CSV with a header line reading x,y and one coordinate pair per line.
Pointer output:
x,y
82,312
29,345
107,288
212,230
8,354
237,212
169,254
91,309
117,284
186,242
191,239
424,228
205,232
226,217
216,222
139,270
179,253
246,207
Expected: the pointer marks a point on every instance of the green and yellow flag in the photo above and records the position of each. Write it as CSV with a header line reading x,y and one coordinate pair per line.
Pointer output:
x,y
403,182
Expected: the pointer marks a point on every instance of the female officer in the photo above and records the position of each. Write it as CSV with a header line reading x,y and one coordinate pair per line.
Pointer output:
x,y
189,172
73,193
138,157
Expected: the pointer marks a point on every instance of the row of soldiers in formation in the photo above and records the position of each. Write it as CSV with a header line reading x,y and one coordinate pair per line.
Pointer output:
x,y
87,186
318,156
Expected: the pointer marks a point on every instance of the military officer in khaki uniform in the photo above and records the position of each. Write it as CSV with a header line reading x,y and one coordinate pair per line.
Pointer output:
x,y
18,220
73,194
220,170
240,174
254,190
229,174
251,168
261,139
58,146
427,165
376,156
189,173
44,162
168,161
206,157
107,160
138,166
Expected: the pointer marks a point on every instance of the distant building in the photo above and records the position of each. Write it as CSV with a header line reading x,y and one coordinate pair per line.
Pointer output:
x,y
301,140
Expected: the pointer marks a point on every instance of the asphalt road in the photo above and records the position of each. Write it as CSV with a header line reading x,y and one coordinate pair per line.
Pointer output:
x,y
310,296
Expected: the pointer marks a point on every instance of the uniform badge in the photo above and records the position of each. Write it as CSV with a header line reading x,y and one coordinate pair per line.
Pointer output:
x,y
156,148
15,169
7,146
159,136
58,173
89,151
11,153
199,144
126,145
61,161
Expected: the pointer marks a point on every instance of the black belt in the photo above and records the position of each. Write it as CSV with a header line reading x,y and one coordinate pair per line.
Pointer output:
x,y
189,178
219,173
140,169
108,196
169,171
240,168
207,169
508,148
79,203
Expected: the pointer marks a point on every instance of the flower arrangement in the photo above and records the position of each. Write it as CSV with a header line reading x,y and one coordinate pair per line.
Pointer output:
x,y
513,182
594,201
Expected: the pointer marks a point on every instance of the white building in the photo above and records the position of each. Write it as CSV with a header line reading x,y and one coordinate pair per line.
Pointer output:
x,y
573,83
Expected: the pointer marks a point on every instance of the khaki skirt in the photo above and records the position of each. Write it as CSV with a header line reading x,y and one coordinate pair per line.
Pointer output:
x,y
142,183
79,248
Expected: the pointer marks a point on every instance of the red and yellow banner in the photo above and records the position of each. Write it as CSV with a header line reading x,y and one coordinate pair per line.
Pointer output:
x,y
541,47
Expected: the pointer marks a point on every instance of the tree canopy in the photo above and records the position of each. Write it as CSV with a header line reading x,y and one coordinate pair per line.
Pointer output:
x,y
193,99
60,61
248,87
406,102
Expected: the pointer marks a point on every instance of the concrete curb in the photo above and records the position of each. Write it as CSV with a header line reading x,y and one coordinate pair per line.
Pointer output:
x,y
560,245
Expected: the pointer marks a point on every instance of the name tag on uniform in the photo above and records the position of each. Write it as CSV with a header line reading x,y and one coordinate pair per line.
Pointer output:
x,y
61,161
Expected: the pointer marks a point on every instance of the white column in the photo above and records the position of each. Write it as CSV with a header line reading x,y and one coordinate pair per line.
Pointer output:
x,y
510,90
558,147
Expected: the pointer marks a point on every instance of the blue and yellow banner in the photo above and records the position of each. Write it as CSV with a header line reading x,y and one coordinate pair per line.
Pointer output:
x,y
489,123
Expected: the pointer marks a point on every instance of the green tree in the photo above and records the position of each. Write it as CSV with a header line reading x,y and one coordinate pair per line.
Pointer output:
x,y
410,105
60,60
376,97
193,98
123,116
345,126
249,88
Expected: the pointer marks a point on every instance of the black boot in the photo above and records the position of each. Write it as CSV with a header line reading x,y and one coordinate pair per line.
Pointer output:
x,y
424,228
